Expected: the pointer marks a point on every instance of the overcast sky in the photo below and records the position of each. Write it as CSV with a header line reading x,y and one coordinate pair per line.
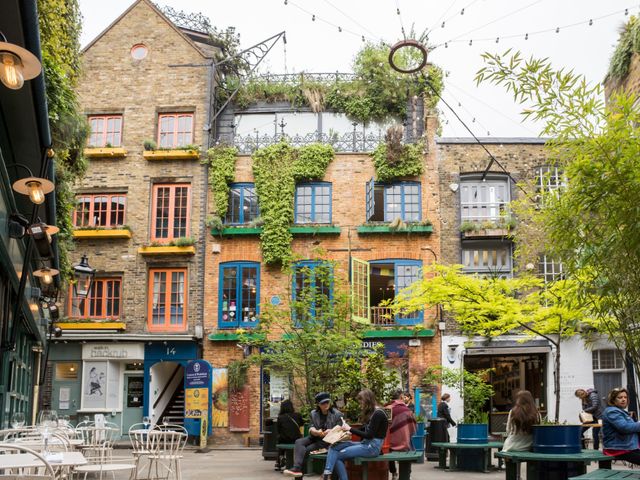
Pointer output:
x,y
319,46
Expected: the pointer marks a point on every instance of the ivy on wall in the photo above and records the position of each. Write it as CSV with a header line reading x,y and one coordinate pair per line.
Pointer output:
x,y
222,164
406,163
276,170
60,24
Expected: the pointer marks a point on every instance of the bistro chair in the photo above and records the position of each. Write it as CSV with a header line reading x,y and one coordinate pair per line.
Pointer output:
x,y
166,448
41,470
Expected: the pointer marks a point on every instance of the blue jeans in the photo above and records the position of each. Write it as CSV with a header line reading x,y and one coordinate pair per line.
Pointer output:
x,y
345,450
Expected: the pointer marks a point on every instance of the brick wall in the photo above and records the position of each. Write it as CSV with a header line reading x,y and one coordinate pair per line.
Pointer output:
x,y
139,89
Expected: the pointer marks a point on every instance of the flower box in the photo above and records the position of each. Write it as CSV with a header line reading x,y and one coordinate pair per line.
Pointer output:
x,y
95,325
171,154
167,250
373,229
105,152
103,233
486,233
315,230
230,231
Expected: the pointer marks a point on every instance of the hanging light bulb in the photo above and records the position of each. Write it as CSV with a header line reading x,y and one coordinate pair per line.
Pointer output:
x,y
35,192
17,64
46,275
11,71
35,187
526,36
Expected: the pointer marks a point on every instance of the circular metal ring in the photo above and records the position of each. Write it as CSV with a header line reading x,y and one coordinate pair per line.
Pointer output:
x,y
408,43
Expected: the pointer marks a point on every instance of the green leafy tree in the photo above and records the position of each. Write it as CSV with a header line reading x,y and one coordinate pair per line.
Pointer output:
x,y
594,224
493,306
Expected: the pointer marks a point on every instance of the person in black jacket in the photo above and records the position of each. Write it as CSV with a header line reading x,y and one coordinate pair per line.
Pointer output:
x,y
289,423
444,412
591,404
375,423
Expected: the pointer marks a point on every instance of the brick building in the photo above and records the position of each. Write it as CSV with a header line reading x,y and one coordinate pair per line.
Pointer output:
x,y
139,220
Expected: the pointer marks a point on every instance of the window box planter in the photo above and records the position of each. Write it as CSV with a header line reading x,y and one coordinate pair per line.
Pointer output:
x,y
392,333
486,233
171,154
315,230
230,231
167,250
105,152
89,325
373,229
103,233
233,337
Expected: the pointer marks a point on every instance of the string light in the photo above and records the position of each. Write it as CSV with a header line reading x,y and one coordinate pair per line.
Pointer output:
x,y
526,36
470,42
557,29
442,26
313,18
497,39
590,22
462,12
340,29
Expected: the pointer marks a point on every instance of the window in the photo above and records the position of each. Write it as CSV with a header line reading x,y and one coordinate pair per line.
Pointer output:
x,y
375,282
387,202
243,204
313,203
607,360
66,371
239,294
549,178
167,307
100,210
487,258
106,131
483,199
175,130
312,290
139,51
549,269
171,206
103,301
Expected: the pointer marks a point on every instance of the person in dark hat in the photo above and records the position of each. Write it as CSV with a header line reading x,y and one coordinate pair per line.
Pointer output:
x,y
323,418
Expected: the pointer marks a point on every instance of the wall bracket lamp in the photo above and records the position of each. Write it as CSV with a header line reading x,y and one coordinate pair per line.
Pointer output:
x,y
17,64
84,276
35,187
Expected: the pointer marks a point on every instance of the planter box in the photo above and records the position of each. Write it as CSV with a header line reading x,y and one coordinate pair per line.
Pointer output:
x,y
167,250
371,229
473,433
487,232
557,438
171,154
230,231
92,325
105,152
315,230
103,233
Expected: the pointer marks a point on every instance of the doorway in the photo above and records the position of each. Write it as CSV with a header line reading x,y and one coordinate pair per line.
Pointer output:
x,y
132,400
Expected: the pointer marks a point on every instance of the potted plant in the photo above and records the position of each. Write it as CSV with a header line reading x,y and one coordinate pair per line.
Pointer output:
x,y
552,437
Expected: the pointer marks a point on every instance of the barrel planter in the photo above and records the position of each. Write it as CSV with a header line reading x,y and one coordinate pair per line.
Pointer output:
x,y
557,438
420,428
473,432
417,441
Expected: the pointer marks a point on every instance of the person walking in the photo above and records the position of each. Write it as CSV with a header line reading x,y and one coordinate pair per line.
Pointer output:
x,y
444,412
323,418
591,404
403,427
375,429
289,424
520,421
619,430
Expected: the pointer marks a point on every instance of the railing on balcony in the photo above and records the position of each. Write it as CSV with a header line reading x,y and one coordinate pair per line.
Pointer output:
x,y
382,316
297,78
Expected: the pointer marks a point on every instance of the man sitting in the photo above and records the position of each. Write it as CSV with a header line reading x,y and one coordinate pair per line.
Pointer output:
x,y
323,419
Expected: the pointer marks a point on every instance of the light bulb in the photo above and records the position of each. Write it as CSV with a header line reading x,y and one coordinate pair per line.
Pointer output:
x,y
35,192
47,278
11,71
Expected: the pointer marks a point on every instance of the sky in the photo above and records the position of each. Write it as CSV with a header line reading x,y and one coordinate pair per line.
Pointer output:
x,y
587,34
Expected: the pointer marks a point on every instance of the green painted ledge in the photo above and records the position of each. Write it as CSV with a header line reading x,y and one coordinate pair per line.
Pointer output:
x,y
315,229
398,333
225,337
229,231
369,229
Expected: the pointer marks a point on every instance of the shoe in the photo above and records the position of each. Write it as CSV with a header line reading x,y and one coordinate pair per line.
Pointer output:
x,y
326,476
293,472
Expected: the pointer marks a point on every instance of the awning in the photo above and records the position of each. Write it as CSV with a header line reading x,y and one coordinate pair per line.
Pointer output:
x,y
510,348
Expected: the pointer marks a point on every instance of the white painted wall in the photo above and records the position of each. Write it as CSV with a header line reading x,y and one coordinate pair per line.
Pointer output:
x,y
160,375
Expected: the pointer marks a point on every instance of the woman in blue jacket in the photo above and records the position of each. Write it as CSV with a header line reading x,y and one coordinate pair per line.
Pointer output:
x,y
619,430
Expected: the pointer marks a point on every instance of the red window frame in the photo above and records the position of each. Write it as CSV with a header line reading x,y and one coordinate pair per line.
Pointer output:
x,y
105,134
95,209
99,301
166,299
173,208
175,134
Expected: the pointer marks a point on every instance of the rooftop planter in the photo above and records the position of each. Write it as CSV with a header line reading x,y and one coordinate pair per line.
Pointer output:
x,y
102,233
105,152
167,250
368,229
92,325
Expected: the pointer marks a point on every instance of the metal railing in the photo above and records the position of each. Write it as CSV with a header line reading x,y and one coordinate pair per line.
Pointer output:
x,y
297,78
382,316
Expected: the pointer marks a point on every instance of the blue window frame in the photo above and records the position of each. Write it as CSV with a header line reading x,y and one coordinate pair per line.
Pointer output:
x,y
388,201
239,294
313,203
243,204
309,284
387,279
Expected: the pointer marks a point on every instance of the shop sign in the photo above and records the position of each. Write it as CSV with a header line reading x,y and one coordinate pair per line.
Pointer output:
x,y
113,351
196,402
395,347
197,388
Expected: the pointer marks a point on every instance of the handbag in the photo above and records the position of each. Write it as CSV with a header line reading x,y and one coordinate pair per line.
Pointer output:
x,y
586,417
336,434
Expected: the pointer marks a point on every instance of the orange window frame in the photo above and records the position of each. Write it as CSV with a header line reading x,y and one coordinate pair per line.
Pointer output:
x,y
102,137
175,132
168,293
84,305
77,215
171,207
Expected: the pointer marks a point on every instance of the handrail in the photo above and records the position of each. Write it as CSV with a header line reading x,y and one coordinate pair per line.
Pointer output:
x,y
166,385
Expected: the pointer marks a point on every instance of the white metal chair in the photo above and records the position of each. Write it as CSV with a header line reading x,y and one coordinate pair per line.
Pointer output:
x,y
166,448
41,471
97,442
138,436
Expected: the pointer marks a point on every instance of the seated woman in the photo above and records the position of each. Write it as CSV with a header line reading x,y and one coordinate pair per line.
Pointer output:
x,y
520,421
289,423
375,429
619,430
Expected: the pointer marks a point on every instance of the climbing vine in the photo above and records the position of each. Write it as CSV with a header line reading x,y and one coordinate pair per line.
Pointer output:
x,y
406,163
222,163
276,169
628,43
60,24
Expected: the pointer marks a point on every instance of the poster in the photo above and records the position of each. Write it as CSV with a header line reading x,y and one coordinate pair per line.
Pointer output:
x,y
94,385
278,391
196,402
220,398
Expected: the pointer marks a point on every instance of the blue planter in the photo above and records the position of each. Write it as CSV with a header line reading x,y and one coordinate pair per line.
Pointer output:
x,y
473,433
418,443
421,429
557,438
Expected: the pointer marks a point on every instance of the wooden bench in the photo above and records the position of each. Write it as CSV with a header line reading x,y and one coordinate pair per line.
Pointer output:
x,y
608,474
443,447
559,466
